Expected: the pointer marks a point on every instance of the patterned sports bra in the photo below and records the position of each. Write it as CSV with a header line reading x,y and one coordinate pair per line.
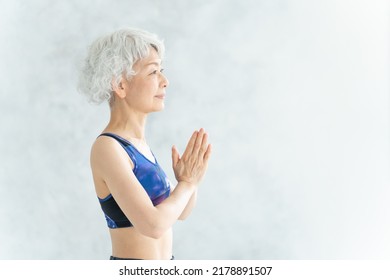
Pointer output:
x,y
149,174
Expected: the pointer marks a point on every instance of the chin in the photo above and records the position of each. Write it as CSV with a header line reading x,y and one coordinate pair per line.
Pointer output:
x,y
158,108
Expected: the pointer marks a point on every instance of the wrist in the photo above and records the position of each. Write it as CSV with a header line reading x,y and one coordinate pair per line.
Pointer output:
x,y
187,184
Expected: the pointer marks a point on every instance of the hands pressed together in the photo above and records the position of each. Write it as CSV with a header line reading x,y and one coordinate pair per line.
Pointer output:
x,y
192,165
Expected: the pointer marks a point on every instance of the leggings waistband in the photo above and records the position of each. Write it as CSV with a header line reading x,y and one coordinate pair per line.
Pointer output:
x,y
125,259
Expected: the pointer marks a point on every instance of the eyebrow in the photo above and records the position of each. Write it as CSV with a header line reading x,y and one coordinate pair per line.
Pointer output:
x,y
153,63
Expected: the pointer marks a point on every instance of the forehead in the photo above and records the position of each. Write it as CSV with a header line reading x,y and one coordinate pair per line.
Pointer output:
x,y
152,59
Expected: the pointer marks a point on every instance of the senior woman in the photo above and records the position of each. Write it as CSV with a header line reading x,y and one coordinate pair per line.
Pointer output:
x,y
139,202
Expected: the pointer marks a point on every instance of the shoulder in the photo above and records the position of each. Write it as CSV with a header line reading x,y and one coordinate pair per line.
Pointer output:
x,y
107,152
104,147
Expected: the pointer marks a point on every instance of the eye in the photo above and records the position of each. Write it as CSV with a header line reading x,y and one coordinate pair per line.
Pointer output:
x,y
155,71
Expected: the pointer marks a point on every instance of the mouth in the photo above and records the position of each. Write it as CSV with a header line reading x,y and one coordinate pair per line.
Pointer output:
x,y
160,96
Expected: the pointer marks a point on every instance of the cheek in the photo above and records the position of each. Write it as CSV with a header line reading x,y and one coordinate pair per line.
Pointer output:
x,y
144,88
151,87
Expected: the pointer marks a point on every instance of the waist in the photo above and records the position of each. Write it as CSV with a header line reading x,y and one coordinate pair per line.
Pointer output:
x,y
128,243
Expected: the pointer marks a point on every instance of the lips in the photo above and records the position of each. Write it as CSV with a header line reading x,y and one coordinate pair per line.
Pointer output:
x,y
161,96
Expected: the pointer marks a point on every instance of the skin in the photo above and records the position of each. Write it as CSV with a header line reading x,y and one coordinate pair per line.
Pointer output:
x,y
112,168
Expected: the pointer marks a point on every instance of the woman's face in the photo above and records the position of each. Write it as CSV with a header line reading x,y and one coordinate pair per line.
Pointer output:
x,y
145,91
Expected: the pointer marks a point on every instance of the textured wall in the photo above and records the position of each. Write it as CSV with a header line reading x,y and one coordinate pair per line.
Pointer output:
x,y
294,94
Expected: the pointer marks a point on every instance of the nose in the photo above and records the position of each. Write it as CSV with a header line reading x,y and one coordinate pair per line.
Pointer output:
x,y
164,81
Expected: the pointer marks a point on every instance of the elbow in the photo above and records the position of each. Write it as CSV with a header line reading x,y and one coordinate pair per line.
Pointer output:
x,y
155,233
152,231
182,217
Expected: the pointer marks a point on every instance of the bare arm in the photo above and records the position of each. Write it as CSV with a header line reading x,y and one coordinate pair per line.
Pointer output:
x,y
200,145
112,164
190,205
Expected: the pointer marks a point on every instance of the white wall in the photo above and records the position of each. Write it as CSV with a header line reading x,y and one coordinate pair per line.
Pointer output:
x,y
294,94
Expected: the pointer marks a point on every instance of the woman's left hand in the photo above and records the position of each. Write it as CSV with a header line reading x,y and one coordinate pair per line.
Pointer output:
x,y
192,165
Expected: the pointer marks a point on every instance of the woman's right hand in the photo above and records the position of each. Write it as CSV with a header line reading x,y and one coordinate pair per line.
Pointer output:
x,y
192,165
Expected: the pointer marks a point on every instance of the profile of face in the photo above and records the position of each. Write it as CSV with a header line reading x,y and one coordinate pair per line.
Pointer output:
x,y
145,91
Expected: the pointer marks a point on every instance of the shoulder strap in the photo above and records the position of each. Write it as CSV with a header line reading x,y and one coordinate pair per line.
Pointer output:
x,y
125,144
116,137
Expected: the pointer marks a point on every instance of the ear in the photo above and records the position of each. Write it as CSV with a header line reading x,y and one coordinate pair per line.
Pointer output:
x,y
119,90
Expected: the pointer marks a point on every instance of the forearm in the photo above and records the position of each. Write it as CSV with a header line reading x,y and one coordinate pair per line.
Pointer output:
x,y
190,205
168,212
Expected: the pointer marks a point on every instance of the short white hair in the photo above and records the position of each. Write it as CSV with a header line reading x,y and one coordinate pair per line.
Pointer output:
x,y
111,57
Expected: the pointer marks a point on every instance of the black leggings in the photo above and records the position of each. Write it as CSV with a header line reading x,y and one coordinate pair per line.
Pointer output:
x,y
124,259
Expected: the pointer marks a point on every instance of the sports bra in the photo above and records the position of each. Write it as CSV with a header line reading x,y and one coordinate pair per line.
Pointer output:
x,y
149,174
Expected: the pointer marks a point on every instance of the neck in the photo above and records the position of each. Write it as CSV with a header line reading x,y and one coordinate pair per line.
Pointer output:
x,y
127,123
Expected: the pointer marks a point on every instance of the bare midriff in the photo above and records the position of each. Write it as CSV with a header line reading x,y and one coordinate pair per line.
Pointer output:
x,y
129,243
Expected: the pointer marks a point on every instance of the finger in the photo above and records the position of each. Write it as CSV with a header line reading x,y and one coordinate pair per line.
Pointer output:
x,y
198,141
207,153
190,144
175,156
203,146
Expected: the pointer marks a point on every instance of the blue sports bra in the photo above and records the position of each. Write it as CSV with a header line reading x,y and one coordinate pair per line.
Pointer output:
x,y
149,174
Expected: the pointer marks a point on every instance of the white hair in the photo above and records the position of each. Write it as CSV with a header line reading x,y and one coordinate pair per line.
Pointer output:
x,y
112,56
